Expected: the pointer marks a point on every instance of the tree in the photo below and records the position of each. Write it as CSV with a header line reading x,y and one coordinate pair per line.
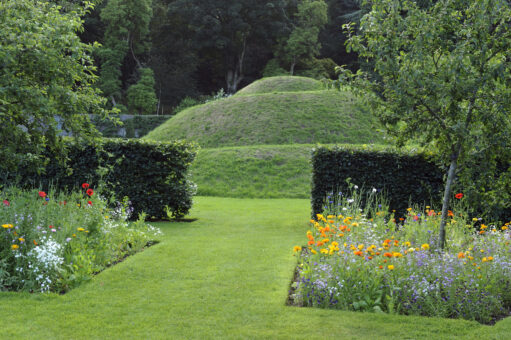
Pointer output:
x,y
303,43
141,97
46,77
442,75
126,34
226,33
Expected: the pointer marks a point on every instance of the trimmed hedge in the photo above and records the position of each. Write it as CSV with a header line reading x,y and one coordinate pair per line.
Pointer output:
x,y
152,174
404,176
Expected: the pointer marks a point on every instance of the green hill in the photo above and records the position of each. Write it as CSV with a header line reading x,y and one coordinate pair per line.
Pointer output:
x,y
281,84
326,117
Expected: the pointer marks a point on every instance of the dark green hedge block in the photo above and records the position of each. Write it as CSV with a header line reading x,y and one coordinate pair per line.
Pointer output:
x,y
404,176
152,174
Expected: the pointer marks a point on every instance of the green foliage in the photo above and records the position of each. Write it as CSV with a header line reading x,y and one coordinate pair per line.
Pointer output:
x,y
403,176
46,73
442,76
153,175
274,118
319,69
127,29
141,97
302,44
229,36
273,69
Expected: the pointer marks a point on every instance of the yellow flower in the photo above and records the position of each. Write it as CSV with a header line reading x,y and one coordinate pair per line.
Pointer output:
x,y
7,226
74,235
107,217
15,246
484,259
475,219
407,244
324,251
490,258
409,209
396,254
297,248
482,250
21,239
354,224
80,229
335,244
391,267
411,250
504,228
86,231
313,251
483,226
425,246
360,247
428,207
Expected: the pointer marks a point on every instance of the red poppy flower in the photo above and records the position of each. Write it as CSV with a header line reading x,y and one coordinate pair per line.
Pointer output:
x,y
90,203
85,185
6,202
90,192
42,194
459,195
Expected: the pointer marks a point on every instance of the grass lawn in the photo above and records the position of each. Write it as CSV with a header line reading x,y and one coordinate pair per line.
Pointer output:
x,y
223,276
263,171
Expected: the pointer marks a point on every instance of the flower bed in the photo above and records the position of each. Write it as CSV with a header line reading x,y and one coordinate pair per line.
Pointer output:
x,y
363,260
53,242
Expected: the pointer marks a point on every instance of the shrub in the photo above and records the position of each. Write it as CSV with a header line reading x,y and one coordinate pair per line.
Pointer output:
x,y
53,242
273,69
404,176
153,175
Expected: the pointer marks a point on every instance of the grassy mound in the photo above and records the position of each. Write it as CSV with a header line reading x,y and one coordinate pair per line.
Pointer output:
x,y
325,117
281,84
264,171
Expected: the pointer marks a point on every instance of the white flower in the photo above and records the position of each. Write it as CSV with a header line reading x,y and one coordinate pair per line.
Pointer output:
x,y
356,187
374,190
350,200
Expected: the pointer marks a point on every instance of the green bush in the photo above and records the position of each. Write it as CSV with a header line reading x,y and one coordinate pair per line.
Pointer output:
x,y
153,175
404,177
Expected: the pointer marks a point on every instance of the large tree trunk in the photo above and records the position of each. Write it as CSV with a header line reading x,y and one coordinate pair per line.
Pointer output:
x,y
447,194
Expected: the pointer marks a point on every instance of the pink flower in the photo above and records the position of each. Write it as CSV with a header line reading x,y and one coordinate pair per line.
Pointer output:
x,y
6,203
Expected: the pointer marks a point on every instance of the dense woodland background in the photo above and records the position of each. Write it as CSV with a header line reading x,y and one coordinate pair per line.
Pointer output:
x,y
155,53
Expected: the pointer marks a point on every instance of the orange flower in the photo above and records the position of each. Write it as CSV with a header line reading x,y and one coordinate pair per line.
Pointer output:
x,y
450,213
310,243
388,255
461,255
370,257
358,253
